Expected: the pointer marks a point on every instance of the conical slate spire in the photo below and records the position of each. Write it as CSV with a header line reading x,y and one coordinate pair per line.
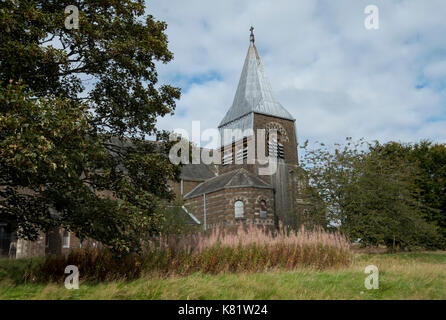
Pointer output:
x,y
254,93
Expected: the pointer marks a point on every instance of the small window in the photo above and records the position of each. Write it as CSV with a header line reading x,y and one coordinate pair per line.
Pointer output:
x,y
47,240
262,209
239,210
66,239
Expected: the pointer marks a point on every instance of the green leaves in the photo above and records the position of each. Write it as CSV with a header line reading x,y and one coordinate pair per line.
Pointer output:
x,y
372,193
75,108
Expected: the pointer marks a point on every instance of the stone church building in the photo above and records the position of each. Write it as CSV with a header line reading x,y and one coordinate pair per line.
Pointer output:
x,y
236,190
228,193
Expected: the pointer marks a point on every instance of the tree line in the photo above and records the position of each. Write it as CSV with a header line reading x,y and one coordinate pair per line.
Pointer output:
x,y
391,194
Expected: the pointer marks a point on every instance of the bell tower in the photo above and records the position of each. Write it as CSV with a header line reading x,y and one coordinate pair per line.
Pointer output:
x,y
255,108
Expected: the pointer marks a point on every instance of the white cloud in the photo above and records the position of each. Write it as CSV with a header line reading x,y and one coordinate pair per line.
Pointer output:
x,y
337,78
200,103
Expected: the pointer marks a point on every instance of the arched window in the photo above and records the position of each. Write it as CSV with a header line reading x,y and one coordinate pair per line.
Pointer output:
x,y
66,239
239,209
262,211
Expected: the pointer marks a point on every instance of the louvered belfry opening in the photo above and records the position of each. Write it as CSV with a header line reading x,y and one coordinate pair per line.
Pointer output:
x,y
275,148
240,149
228,158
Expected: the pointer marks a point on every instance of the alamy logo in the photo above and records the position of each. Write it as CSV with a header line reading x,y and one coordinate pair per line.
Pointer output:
x,y
72,281
371,281
72,20
234,150
372,20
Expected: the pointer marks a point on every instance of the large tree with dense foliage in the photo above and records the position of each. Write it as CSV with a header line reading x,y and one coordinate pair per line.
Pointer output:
x,y
76,108
430,159
369,196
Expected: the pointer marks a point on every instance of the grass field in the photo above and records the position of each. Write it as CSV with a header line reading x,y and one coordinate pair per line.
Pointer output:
x,y
401,276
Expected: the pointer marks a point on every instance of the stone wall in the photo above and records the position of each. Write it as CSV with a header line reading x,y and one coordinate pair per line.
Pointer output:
x,y
220,206
28,249
50,243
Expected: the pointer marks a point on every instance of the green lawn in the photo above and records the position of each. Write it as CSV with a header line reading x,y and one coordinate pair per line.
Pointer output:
x,y
402,276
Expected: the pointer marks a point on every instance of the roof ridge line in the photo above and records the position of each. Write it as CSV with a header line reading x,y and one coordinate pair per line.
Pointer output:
x,y
235,172
208,180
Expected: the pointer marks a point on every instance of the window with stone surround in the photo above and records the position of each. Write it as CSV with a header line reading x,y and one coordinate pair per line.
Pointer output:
x,y
279,129
262,211
239,209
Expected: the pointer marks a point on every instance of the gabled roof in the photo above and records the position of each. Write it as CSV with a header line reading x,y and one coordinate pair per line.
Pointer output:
x,y
240,178
254,93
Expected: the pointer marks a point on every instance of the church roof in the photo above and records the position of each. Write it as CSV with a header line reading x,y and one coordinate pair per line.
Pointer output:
x,y
240,178
197,172
254,93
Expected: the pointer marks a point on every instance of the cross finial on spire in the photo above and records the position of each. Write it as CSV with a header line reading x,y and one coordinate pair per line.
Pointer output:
x,y
251,37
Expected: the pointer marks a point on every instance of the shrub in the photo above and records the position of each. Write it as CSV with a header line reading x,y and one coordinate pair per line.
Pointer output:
x,y
17,270
93,265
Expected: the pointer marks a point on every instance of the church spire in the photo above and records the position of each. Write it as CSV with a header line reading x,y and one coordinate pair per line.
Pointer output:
x,y
254,93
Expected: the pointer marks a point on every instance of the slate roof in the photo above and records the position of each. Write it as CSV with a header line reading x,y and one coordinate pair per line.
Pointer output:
x,y
254,93
240,178
198,172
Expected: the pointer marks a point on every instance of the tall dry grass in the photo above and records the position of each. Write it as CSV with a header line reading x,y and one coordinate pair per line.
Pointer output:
x,y
249,249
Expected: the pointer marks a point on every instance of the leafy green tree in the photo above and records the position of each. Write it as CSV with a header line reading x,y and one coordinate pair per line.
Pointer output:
x,y
76,108
431,161
371,198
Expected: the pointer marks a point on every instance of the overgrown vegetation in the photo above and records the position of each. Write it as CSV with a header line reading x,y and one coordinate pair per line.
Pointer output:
x,y
251,249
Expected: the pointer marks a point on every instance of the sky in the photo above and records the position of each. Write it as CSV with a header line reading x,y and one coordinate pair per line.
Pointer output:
x,y
337,78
